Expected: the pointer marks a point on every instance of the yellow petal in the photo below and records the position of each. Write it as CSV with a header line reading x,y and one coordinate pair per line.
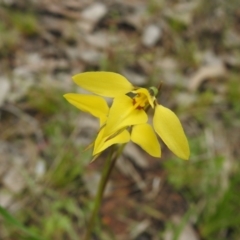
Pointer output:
x,y
123,114
169,128
145,137
103,143
94,105
107,84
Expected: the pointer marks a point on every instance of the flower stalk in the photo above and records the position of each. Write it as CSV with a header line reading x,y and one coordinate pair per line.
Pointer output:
x,y
107,169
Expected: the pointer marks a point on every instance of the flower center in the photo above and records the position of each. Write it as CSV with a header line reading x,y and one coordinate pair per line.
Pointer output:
x,y
140,101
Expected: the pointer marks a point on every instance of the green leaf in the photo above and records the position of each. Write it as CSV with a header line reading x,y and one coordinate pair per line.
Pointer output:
x,y
13,221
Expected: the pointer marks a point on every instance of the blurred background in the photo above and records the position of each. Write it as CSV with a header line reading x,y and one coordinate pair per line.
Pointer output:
x,y
46,182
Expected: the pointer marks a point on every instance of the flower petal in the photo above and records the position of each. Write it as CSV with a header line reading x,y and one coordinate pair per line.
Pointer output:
x,y
94,105
123,114
145,137
169,128
107,84
103,143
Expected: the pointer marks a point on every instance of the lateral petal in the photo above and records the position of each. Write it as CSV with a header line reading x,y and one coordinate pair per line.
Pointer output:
x,y
107,84
95,105
122,114
103,143
145,137
169,128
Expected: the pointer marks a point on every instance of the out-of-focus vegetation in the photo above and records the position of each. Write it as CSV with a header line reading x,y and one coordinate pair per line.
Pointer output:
x,y
13,25
41,46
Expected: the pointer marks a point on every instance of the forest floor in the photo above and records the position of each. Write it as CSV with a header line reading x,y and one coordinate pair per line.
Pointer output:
x,y
47,183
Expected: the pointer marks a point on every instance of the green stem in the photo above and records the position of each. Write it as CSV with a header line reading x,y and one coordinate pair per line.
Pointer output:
x,y
107,169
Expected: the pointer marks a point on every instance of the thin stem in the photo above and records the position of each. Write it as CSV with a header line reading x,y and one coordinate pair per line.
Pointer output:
x,y
107,169
159,87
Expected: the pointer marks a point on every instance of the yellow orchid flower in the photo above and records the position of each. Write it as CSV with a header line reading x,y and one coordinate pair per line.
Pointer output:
x,y
127,119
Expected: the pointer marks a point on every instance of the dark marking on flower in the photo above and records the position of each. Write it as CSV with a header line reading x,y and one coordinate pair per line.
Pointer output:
x,y
138,107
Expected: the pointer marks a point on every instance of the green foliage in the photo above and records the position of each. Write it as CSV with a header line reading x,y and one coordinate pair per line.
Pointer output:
x,y
154,6
204,173
186,52
46,101
58,214
177,25
224,222
10,219
201,181
25,22
59,122
8,39
233,90
14,25
58,221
